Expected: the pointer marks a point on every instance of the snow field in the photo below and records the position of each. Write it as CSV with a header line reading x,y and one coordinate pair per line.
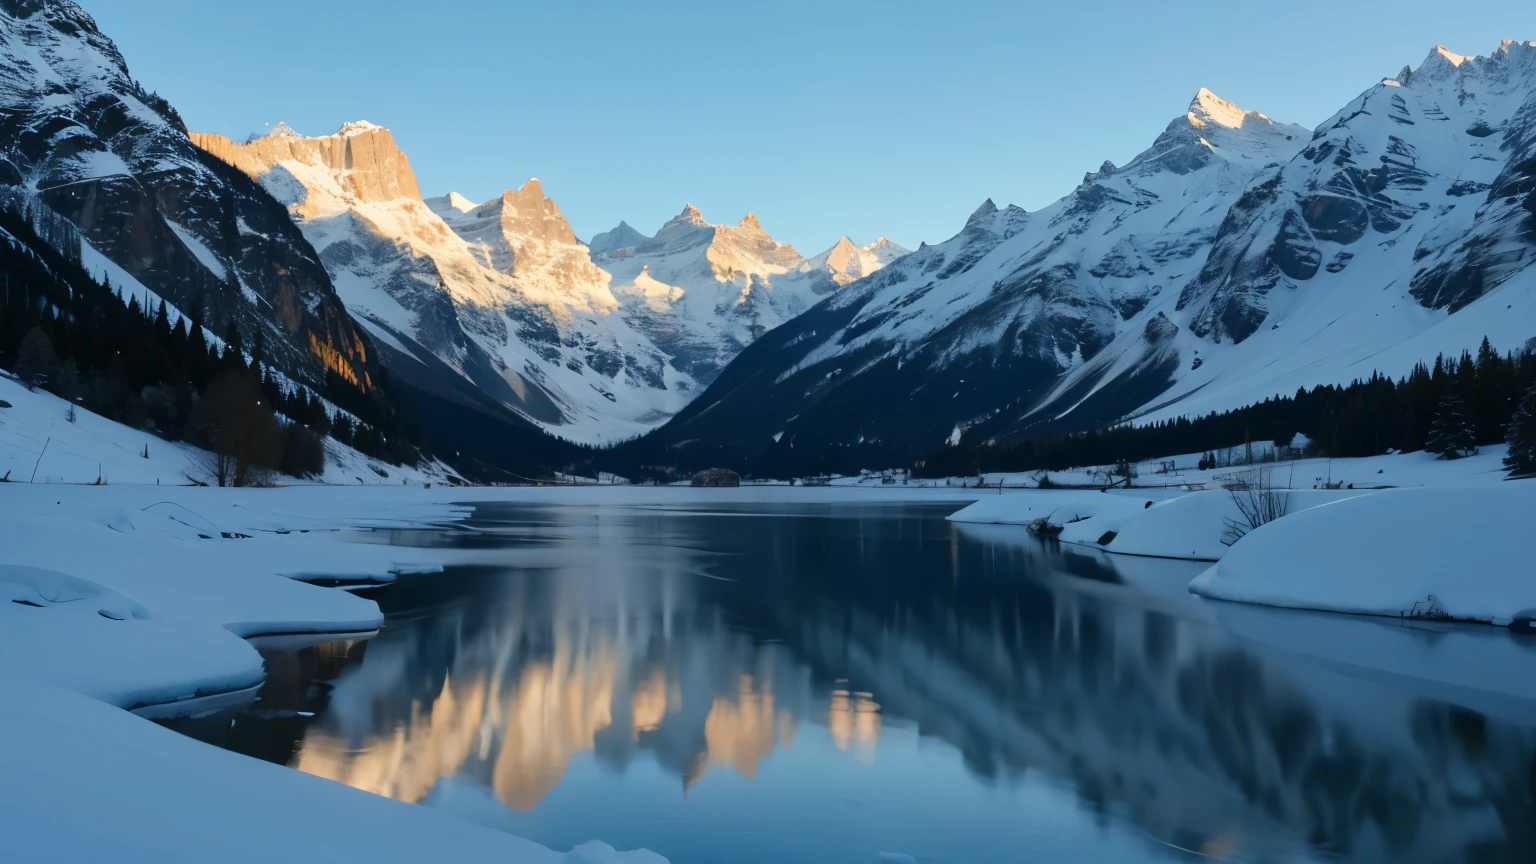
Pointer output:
x,y
84,781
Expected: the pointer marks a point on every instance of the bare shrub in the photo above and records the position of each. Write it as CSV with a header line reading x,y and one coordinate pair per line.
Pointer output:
x,y
1428,609
1258,503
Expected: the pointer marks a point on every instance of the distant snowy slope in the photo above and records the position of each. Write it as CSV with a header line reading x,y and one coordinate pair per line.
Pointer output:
x,y
1234,259
956,334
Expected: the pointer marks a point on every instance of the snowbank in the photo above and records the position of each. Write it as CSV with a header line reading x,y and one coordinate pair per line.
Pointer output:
x,y
1462,553
1193,526
126,594
1156,523
90,639
86,782
1069,508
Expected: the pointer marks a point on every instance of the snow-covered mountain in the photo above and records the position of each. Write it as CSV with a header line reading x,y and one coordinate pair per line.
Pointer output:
x,y
703,292
1235,258
848,262
80,138
502,291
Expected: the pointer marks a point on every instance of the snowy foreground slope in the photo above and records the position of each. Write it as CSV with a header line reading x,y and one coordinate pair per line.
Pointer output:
x,y
38,442
137,597
96,784
1234,259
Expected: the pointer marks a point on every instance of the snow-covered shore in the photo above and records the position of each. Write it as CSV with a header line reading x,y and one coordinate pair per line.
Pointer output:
x,y
1448,545
1459,553
137,597
1155,523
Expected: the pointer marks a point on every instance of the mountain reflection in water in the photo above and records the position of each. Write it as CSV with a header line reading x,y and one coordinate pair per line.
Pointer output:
x,y
866,649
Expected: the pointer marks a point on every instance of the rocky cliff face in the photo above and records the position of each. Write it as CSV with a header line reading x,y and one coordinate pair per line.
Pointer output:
x,y
365,156
524,235
80,137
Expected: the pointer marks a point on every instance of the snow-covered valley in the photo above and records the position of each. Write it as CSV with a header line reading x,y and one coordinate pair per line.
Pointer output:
x,y
1277,649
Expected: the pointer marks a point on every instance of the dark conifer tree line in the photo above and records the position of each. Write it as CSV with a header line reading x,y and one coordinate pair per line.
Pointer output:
x,y
1450,407
62,331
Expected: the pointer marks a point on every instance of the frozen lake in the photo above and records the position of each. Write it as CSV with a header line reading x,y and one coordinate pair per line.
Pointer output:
x,y
826,683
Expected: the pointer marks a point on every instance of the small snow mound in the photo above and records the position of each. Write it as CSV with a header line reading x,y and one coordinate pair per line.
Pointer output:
x,y
602,853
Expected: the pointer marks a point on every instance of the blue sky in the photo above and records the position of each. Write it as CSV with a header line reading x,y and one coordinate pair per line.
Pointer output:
x,y
825,118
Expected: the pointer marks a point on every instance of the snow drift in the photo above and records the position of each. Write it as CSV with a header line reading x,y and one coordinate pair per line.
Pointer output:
x,y
1460,553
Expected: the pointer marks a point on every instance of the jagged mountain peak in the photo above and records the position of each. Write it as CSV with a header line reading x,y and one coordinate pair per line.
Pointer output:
x,y
457,202
281,130
987,209
1450,56
1208,109
1214,129
622,237
531,188
749,238
847,262
1513,56
686,230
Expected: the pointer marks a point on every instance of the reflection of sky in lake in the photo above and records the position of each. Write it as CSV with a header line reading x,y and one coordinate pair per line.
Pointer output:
x,y
823,686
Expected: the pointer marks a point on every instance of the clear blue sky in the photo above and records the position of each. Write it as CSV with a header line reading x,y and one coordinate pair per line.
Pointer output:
x,y
825,117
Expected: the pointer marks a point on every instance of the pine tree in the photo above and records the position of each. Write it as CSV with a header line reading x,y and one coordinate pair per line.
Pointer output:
x,y
36,363
1522,437
1452,435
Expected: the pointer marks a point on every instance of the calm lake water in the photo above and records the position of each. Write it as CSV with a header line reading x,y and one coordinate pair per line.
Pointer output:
x,y
829,683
